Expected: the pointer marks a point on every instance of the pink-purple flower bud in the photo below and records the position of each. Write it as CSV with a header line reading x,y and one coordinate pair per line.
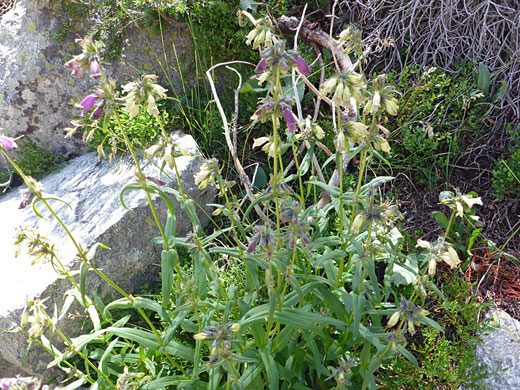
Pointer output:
x,y
302,66
95,69
71,64
262,66
88,102
289,119
8,143
79,72
75,66
97,112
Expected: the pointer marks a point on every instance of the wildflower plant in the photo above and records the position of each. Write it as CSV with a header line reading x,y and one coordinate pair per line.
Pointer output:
x,y
320,306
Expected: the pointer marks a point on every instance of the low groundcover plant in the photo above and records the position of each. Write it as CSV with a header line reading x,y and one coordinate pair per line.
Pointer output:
x,y
327,294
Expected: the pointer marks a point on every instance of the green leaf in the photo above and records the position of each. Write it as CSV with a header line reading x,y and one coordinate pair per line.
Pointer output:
x,y
334,303
94,317
74,385
440,218
501,93
149,340
250,374
259,177
428,321
375,182
484,81
270,368
405,273
288,88
103,363
332,190
248,5
170,229
148,304
407,354
82,280
168,261
163,382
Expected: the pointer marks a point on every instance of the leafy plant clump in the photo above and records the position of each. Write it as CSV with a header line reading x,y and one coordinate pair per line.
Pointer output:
x,y
446,360
34,158
325,295
142,131
506,176
438,113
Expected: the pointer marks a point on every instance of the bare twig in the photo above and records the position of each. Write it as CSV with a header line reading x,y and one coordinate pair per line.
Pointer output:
x,y
244,179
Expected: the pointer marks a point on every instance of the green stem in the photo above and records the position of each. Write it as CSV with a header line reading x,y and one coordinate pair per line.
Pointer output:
x,y
85,358
300,180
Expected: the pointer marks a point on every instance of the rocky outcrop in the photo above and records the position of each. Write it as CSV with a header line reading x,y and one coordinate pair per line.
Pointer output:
x,y
35,89
500,351
92,190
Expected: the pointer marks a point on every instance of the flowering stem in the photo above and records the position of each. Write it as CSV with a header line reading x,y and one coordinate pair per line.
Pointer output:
x,y
53,353
85,358
141,175
449,224
165,135
300,180
362,166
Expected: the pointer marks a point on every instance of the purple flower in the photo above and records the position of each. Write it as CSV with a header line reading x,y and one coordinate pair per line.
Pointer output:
x,y
75,66
98,111
262,237
264,108
289,118
95,69
262,66
8,143
78,72
88,102
303,68
71,64
254,242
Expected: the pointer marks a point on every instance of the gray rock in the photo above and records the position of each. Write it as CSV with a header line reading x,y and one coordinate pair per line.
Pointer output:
x,y
35,89
92,189
19,382
500,351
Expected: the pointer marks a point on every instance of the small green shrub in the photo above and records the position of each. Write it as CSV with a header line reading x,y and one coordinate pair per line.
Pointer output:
x,y
506,176
446,360
141,130
34,158
437,111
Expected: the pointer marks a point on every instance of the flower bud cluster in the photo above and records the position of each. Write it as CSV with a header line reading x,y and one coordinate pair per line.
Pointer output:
x,y
271,109
34,314
88,60
263,33
344,86
410,313
384,213
460,203
277,57
381,96
310,129
144,91
8,143
438,251
263,237
351,40
343,372
207,173
221,346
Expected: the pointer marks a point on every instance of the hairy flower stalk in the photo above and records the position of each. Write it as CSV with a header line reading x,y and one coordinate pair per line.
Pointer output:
x,y
408,312
221,346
